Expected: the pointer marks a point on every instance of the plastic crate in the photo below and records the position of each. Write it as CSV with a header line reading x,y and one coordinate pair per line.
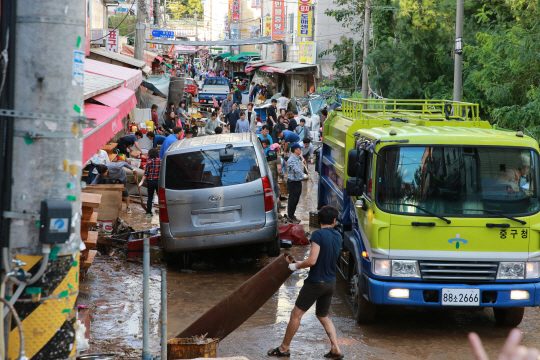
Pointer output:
x,y
314,220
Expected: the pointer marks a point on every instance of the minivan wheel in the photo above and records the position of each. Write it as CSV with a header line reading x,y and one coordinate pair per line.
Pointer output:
x,y
177,259
273,247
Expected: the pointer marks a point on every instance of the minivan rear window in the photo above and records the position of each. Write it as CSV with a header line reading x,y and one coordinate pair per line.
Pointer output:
x,y
202,169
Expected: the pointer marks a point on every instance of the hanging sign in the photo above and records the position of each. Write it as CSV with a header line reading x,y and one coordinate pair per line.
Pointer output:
x,y
278,23
234,9
306,52
268,25
112,40
304,18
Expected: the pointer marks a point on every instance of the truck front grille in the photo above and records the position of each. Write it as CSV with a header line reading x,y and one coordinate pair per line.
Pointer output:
x,y
458,271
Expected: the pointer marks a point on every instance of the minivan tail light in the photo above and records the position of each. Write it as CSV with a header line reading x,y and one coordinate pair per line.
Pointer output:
x,y
268,194
163,214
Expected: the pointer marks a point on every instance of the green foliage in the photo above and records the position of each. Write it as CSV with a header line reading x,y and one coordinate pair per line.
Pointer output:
x,y
181,8
126,26
344,64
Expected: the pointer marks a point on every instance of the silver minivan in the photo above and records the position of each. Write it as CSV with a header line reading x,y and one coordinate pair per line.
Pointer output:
x,y
216,191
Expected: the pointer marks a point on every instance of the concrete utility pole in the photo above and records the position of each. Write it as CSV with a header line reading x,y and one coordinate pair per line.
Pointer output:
x,y
458,56
365,83
196,26
138,52
46,165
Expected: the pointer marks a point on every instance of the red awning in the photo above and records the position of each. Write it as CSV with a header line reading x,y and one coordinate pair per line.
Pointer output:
x,y
148,56
132,78
108,123
121,98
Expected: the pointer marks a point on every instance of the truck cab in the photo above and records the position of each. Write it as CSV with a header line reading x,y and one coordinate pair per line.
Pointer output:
x,y
214,88
437,209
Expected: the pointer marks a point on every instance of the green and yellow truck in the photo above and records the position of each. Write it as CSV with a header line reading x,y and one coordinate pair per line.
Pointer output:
x,y
437,207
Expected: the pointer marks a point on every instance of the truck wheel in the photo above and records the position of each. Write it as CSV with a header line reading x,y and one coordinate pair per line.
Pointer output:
x,y
273,247
364,311
510,316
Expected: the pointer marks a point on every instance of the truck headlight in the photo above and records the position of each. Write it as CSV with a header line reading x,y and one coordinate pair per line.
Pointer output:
x,y
381,267
532,270
511,270
405,268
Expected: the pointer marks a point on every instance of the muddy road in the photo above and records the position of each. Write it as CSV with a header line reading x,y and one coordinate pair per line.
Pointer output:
x,y
114,293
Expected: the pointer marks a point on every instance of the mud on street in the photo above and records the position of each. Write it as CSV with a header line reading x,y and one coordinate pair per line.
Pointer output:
x,y
113,291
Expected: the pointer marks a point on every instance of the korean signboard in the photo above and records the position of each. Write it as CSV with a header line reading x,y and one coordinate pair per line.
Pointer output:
x,y
112,40
267,25
306,52
234,9
278,20
304,18
255,4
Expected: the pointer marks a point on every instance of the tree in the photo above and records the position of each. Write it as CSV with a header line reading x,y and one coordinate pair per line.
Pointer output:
x,y
126,24
185,8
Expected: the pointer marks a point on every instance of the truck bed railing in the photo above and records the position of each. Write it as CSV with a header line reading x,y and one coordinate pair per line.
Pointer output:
x,y
428,110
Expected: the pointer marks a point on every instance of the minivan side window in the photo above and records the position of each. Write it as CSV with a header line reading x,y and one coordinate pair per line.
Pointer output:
x,y
203,169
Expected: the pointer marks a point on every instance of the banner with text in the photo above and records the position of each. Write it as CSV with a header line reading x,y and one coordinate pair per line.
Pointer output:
x,y
112,40
268,25
278,23
307,52
304,18
234,9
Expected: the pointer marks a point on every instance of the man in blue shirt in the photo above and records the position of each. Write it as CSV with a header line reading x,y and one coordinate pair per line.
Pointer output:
x,y
320,284
290,137
127,141
156,139
177,134
265,134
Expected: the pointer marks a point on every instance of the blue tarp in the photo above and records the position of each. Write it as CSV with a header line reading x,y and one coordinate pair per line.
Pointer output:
x,y
161,83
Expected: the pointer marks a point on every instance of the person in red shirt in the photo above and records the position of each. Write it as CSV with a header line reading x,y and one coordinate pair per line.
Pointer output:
x,y
155,118
151,175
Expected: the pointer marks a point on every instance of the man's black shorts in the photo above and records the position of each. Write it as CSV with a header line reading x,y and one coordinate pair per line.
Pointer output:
x,y
321,292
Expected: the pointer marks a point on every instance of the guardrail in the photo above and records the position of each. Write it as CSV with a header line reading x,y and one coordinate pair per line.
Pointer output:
x,y
413,109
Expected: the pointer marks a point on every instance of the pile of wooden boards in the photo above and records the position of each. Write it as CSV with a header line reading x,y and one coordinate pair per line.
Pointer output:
x,y
89,238
111,150
111,199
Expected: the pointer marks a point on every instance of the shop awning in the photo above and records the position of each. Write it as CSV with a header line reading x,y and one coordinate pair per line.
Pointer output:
x,y
243,56
132,78
148,56
97,53
235,42
120,98
108,123
222,56
280,67
95,84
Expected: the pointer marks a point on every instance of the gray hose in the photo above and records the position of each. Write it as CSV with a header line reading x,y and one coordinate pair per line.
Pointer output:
x,y
44,262
19,326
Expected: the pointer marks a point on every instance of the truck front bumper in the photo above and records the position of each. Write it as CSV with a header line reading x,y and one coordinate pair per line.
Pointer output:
x,y
428,294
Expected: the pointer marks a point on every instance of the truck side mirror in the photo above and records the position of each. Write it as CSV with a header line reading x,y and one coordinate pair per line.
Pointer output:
x,y
354,187
356,162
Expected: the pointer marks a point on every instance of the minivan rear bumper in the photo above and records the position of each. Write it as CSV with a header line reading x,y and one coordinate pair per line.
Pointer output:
x,y
173,244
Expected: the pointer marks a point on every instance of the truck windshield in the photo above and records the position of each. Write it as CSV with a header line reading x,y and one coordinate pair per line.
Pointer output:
x,y
458,181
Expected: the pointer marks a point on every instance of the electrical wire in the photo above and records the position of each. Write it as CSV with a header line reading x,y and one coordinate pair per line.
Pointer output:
x,y
116,28
19,326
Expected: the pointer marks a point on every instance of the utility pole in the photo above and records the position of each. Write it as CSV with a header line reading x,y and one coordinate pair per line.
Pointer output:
x,y
44,165
354,59
458,56
196,26
138,52
365,85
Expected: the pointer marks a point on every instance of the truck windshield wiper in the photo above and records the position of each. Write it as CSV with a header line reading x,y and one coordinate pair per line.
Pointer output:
x,y
495,212
424,210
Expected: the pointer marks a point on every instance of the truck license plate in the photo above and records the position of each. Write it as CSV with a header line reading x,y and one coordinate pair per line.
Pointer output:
x,y
461,297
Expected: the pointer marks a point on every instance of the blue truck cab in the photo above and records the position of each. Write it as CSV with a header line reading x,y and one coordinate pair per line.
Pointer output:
x,y
216,87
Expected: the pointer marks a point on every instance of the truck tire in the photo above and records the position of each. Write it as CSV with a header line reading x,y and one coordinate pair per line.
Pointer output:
x,y
511,317
273,247
363,310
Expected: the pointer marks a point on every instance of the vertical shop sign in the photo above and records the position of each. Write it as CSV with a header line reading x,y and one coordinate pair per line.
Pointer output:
x,y
112,40
268,25
234,9
278,23
304,18
306,52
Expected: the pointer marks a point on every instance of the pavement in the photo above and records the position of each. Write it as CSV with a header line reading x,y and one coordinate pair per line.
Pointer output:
x,y
113,291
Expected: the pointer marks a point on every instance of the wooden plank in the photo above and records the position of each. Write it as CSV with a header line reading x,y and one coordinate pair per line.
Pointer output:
x,y
84,232
92,239
90,200
111,200
87,213
112,157
92,222
88,261
109,148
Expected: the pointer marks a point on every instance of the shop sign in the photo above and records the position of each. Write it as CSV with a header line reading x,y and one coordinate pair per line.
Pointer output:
x,y
267,25
255,4
254,31
235,31
306,52
304,18
112,40
278,20
234,9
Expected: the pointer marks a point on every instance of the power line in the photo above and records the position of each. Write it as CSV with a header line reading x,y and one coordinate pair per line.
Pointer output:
x,y
116,28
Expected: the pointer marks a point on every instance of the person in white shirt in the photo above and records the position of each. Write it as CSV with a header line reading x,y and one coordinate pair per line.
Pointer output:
x,y
283,101
308,150
303,130
315,122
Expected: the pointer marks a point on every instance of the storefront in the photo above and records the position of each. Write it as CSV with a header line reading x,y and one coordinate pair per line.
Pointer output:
x,y
294,79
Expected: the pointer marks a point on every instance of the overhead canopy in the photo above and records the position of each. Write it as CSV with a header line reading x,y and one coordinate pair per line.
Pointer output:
x,y
121,98
222,55
279,67
244,56
96,53
236,42
132,78
95,84
148,56
108,123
